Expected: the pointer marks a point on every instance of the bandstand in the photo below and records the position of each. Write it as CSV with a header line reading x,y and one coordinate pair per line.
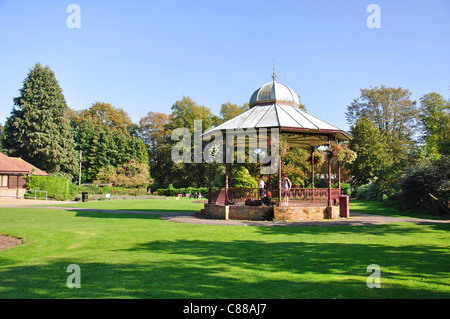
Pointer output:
x,y
275,106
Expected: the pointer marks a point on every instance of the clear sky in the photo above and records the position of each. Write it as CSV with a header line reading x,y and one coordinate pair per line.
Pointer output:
x,y
144,55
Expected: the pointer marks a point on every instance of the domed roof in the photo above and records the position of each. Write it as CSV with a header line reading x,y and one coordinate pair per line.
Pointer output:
x,y
274,93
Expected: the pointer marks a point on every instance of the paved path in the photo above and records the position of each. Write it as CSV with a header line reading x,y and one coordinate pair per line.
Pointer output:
x,y
356,219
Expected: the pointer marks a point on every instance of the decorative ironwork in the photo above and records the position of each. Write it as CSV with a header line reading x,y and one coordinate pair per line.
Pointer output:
x,y
292,197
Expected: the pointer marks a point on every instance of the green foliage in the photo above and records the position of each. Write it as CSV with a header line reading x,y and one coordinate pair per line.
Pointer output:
x,y
392,112
104,115
130,174
435,119
113,190
57,186
296,163
368,191
242,178
345,189
186,111
376,190
427,186
154,132
38,129
372,150
229,110
102,146
183,191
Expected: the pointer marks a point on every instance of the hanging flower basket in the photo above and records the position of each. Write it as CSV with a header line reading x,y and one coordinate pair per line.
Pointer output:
x,y
341,152
318,157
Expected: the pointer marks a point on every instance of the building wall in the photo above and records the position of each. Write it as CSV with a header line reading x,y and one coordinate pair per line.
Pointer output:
x,y
306,213
14,182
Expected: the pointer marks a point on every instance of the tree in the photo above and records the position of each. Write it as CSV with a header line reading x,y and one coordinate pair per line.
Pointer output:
x,y
392,112
105,115
427,186
229,110
102,147
38,129
373,156
130,174
186,111
1,132
154,132
242,178
435,119
295,163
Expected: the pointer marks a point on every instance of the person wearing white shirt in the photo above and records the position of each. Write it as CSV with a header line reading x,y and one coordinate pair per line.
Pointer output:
x,y
286,185
261,186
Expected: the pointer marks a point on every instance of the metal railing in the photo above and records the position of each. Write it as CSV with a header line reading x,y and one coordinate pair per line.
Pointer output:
x,y
292,197
35,194
23,193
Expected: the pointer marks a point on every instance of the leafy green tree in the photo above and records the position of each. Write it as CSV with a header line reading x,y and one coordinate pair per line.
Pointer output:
x,y
38,129
155,133
427,186
130,174
295,162
392,112
373,155
242,178
229,110
186,111
103,146
435,119
1,142
105,115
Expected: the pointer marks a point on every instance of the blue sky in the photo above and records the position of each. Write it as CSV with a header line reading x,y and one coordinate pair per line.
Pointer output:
x,y
144,55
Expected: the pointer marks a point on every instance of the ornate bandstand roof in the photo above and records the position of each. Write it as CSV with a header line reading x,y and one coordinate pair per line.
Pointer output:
x,y
275,105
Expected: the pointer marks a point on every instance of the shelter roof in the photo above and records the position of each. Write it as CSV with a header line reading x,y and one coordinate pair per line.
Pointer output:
x,y
16,165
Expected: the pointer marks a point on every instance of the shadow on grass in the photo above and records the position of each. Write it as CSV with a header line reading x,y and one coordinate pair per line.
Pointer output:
x,y
379,230
393,210
240,269
113,214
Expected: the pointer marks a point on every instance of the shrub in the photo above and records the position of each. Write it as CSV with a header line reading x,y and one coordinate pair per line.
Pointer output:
x,y
183,191
57,187
427,186
242,178
345,189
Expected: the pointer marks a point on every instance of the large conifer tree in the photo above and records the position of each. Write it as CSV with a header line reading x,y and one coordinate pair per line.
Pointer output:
x,y
38,129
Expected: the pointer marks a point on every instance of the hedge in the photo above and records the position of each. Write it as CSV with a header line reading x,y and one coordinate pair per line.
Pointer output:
x,y
183,191
57,187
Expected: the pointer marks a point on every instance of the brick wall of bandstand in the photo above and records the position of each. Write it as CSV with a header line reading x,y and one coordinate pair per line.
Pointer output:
x,y
270,212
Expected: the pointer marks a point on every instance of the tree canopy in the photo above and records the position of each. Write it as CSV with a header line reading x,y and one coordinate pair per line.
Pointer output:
x,y
38,129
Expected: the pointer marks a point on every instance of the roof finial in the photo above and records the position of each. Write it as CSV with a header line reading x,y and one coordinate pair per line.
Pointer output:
x,y
274,76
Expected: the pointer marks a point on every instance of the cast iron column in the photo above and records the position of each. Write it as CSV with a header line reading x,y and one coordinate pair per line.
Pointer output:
x,y
226,184
279,180
329,178
210,180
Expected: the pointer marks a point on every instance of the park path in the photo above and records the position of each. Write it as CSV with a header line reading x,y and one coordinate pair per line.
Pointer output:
x,y
356,219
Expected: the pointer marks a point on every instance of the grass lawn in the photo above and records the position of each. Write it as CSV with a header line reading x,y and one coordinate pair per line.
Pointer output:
x,y
377,208
170,204
142,256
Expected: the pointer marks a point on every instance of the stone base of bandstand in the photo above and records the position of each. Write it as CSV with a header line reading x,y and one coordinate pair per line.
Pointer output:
x,y
257,213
